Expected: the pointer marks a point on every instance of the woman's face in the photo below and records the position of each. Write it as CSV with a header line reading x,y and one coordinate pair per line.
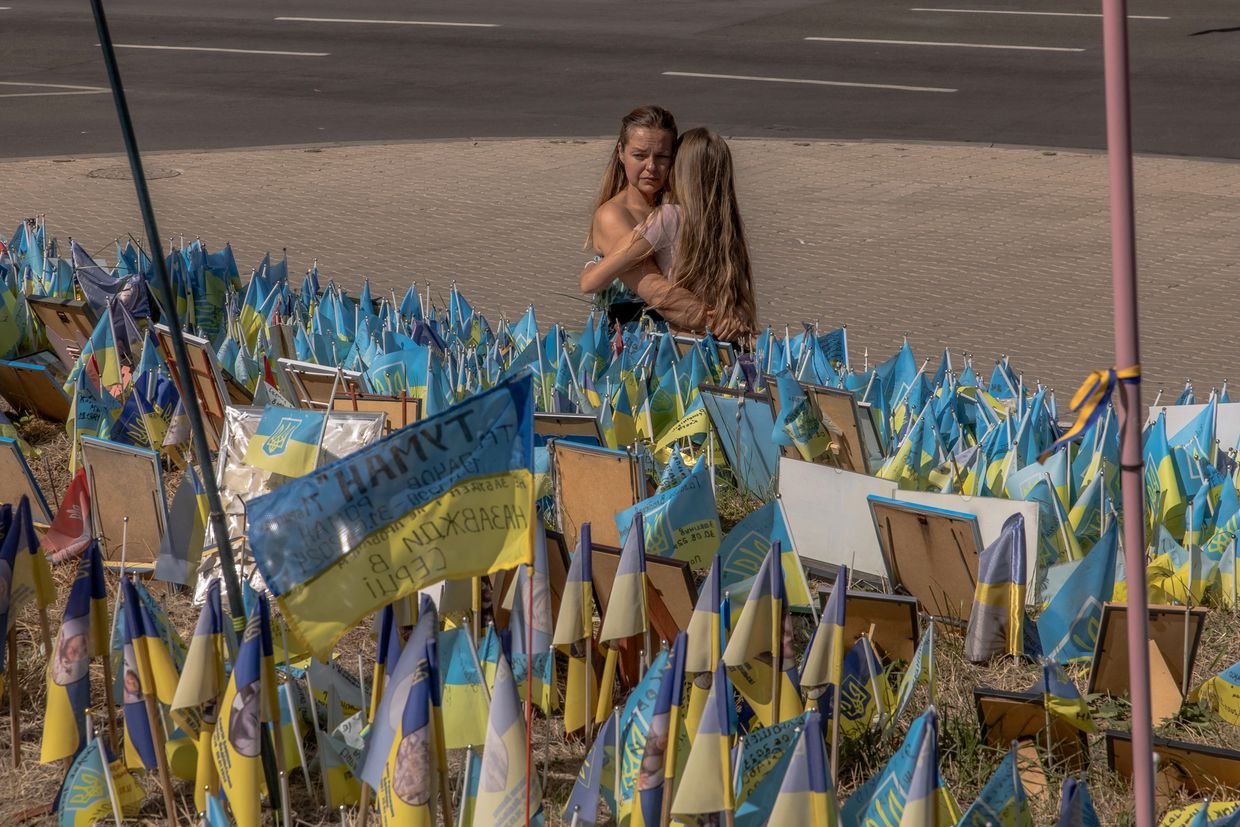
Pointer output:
x,y
647,158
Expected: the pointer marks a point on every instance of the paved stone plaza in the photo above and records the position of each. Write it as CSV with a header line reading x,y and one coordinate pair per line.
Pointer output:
x,y
987,249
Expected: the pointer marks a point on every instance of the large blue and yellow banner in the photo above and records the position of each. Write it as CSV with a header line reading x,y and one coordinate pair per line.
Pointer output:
x,y
451,496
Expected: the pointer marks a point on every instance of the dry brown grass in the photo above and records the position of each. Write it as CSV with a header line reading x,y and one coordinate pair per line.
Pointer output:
x,y
966,762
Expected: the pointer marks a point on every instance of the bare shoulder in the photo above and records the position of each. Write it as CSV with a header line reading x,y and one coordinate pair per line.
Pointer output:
x,y
613,223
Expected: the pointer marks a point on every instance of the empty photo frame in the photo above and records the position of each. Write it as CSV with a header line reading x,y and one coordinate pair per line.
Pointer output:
x,y
743,422
671,595
208,380
582,428
1169,628
724,351
16,481
931,553
31,384
593,485
126,482
400,410
1021,716
68,324
314,384
1182,765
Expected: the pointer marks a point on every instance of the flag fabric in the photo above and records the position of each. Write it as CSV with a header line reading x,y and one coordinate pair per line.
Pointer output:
x,y
806,796
996,621
24,571
799,423
823,666
921,670
1002,802
384,726
763,762
504,772
1076,808
70,531
864,694
148,669
921,802
574,630
706,780
408,784
883,799
84,799
1222,693
83,634
180,548
238,734
681,522
465,705
597,772
451,496
627,611
202,683
1062,698
1068,627
705,644
651,771
287,441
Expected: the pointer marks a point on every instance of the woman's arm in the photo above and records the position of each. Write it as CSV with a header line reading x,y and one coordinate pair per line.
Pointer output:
x,y
598,274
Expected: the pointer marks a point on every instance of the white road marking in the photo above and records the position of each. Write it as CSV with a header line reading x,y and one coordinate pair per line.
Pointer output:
x,y
213,49
388,22
936,43
64,89
895,87
1039,13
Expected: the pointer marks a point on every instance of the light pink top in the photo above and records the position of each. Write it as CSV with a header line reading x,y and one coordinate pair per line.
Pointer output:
x,y
661,229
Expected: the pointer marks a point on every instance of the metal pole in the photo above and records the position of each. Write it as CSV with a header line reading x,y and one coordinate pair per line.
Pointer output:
x,y
1127,354
189,397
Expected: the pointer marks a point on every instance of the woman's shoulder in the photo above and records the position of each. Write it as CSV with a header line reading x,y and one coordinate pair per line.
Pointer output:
x,y
612,222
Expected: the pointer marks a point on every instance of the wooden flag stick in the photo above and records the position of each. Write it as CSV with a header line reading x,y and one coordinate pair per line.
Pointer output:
x,y
15,700
528,608
279,801
110,700
288,691
441,758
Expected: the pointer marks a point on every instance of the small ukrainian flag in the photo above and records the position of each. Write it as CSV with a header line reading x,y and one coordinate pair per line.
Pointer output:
x,y
287,441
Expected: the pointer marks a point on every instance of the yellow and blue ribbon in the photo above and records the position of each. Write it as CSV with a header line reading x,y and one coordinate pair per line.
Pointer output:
x,y
1090,400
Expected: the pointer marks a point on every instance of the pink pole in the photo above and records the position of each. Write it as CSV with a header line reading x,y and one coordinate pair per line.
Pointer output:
x,y
1127,353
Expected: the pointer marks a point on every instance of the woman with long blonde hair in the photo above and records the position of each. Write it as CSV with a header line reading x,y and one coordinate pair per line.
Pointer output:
x,y
689,258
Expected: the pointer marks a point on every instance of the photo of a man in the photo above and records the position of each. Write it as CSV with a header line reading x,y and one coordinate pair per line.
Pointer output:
x,y
244,726
72,659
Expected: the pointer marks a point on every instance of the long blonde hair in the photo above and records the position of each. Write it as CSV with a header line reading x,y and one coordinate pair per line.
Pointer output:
x,y
643,117
712,256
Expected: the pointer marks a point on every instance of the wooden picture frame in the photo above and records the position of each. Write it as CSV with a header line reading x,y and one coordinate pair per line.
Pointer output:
x,y
400,410
209,385
579,428
68,324
894,617
931,553
593,485
30,386
871,436
838,408
1182,765
1005,717
1108,671
670,594
313,384
126,482
17,481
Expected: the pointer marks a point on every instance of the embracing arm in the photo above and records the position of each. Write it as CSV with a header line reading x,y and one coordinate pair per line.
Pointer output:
x,y
598,274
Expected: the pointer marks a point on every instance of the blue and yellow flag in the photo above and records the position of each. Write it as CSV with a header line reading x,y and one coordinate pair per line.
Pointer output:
x,y
1222,693
597,773
997,620
921,670
387,653
504,771
655,765
1062,698
627,611
864,694
705,644
1076,808
287,441
451,496
83,635
1002,802
799,424
149,669
763,762
201,685
408,785
806,796
84,800
574,631
824,656
236,742
1069,625
465,704
706,782
681,522
884,798
24,570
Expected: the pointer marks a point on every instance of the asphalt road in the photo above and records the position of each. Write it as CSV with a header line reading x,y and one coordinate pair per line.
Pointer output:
x,y
573,67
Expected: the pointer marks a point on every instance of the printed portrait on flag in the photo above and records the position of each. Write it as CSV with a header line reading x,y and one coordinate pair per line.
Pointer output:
x,y
132,687
412,779
244,724
72,658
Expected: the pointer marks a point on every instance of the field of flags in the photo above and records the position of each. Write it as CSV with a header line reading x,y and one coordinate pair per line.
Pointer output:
x,y
425,620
